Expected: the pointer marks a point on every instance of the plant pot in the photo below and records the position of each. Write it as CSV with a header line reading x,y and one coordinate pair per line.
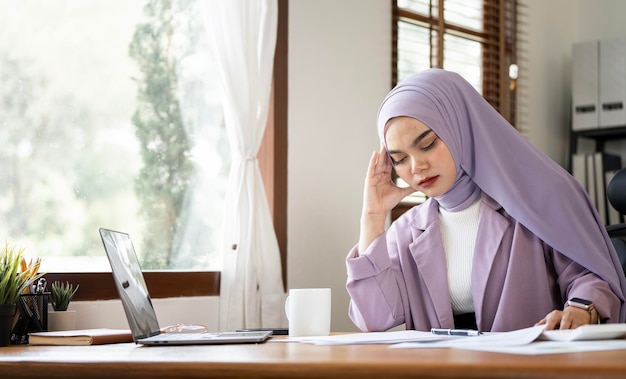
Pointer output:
x,y
7,315
61,320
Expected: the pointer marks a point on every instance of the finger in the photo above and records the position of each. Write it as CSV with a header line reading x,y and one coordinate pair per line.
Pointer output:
x,y
372,165
553,319
384,157
383,149
378,161
575,317
566,323
568,317
375,166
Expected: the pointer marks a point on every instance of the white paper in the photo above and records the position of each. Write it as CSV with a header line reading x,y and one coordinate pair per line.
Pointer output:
x,y
587,332
514,338
371,338
553,347
524,341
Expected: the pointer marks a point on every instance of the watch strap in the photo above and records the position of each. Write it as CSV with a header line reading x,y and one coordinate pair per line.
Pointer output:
x,y
586,305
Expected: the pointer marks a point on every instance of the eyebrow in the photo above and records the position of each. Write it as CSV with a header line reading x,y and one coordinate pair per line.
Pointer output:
x,y
415,142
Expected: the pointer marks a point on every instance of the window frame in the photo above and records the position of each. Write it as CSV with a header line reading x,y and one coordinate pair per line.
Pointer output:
x,y
499,38
273,165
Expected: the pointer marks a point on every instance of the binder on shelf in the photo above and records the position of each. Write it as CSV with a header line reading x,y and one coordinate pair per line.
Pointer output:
x,y
585,85
612,82
603,163
579,169
598,113
591,178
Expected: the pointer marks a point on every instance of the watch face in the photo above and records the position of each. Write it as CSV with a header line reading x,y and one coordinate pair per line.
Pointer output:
x,y
580,301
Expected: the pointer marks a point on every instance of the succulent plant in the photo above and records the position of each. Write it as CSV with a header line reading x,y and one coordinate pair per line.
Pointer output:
x,y
61,294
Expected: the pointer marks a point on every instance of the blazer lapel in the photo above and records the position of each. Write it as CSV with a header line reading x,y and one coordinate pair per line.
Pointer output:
x,y
428,254
491,228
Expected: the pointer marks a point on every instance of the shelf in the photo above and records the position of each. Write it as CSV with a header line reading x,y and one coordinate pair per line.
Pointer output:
x,y
598,133
600,136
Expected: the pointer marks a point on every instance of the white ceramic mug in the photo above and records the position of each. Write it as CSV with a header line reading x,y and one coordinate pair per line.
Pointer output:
x,y
308,312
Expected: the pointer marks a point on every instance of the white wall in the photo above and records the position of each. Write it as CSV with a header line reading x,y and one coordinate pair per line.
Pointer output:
x,y
339,72
546,69
599,19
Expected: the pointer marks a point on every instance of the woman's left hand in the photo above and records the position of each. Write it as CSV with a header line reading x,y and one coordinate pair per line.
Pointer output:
x,y
569,318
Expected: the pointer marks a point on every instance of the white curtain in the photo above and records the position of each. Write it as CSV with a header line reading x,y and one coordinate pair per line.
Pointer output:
x,y
244,35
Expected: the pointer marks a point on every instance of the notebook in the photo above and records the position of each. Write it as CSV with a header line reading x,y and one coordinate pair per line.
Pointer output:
x,y
140,313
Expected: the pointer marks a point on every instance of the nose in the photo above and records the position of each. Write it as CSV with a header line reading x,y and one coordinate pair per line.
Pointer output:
x,y
418,165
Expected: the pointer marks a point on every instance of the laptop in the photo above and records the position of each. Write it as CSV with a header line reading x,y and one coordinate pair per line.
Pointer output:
x,y
140,313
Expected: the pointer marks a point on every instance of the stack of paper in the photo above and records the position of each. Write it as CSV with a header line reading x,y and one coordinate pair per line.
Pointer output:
x,y
533,340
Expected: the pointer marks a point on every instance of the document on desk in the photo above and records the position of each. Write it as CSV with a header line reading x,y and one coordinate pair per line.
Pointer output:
x,y
515,338
530,340
372,338
523,341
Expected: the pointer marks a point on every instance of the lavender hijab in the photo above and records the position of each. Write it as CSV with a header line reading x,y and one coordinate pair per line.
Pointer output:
x,y
491,156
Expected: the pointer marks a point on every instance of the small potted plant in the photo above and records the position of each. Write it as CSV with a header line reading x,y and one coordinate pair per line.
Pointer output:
x,y
60,296
15,277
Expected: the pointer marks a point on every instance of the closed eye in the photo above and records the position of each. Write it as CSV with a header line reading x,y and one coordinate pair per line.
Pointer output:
x,y
397,162
430,145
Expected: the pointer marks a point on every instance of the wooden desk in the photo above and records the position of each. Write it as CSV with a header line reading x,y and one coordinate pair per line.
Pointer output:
x,y
293,360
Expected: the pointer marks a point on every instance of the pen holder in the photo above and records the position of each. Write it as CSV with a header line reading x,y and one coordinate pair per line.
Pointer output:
x,y
32,316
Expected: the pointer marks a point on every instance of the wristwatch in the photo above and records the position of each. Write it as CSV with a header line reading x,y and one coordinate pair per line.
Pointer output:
x,y
583,304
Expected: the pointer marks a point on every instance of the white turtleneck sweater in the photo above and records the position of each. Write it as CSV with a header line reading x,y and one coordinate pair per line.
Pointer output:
x,y
459,231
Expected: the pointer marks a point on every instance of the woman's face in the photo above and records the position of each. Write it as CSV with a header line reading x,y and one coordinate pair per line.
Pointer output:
x,y
419,156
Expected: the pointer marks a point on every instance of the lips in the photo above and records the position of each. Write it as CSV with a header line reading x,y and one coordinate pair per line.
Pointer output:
x,y
427,182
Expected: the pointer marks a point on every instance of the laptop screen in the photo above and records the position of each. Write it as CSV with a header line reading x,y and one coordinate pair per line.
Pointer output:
x,y
130,283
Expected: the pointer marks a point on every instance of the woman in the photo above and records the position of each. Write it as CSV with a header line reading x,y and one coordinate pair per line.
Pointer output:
x,y
507,238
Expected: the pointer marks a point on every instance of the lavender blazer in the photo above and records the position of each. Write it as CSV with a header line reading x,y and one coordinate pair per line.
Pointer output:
x,y
516,278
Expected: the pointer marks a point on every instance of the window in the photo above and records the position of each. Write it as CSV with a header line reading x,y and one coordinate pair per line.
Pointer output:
x,y
103,112
476,38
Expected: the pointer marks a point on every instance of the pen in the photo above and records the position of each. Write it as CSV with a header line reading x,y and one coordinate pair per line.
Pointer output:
x,y
455,332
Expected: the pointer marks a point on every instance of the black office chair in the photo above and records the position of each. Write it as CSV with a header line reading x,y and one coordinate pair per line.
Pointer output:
x,y
616,193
